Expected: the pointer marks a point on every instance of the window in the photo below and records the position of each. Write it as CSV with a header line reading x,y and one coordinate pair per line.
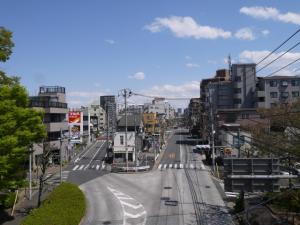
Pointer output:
x,y
122,140
284,94
295,82
237,90
284,83
238,79
295,93
273,94
273,83
237,101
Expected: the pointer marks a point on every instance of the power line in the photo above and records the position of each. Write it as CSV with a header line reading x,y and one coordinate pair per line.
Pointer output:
x,y
283,67
159,97
278,57
278,47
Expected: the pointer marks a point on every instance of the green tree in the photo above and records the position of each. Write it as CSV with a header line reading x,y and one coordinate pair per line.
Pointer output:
x,y
20,126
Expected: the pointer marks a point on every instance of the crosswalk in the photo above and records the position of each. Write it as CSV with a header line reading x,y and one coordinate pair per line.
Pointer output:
x,y
55,179
83,167
181,166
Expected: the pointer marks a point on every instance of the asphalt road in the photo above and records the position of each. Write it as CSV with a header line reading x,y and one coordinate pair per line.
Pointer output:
x,y
179,191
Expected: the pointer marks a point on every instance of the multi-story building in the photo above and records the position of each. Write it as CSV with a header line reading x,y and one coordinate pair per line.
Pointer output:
x,y
52,100
97,118
108,103
150,121
244,85
276,90
160,107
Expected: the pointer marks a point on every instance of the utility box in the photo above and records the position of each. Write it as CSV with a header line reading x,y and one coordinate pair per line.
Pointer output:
x,y
251,174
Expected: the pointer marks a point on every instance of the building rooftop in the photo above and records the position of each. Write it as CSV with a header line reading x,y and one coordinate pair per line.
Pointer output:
x,y
280,77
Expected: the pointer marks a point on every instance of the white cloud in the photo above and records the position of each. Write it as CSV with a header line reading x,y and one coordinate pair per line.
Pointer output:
x,y
110,41
187,57
265,32
186,27
187,90
138,76
245,34
271,13
255,56
76,99
191,65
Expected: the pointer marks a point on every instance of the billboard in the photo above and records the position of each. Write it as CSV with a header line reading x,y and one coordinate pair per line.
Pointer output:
x,y
74,117
75,126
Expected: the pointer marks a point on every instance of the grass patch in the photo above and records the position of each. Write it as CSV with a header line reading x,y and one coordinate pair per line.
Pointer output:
x,y
64,206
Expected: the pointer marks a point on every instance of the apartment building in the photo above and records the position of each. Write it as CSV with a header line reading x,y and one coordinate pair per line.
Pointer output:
x,y
108,103
52,100
276,90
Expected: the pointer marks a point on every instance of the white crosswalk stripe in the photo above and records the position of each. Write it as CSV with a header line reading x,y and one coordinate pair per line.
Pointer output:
x,y
181,166
81,167
75,168
97,167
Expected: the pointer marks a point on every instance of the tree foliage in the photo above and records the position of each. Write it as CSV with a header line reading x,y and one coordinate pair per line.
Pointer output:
x,y
20,126
280,134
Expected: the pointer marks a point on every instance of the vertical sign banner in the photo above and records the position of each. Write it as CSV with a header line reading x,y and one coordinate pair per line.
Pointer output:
x,y
75,126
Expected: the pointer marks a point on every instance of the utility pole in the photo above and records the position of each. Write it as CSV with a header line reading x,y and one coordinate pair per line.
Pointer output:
x,y
30,174
212,131
60,156
126,93
107,126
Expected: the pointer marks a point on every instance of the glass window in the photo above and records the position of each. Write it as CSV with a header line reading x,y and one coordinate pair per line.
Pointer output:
x,y
273,94
273,83
295,93
284,83
238,79
237,101
122,140
284,94
295,82
237,90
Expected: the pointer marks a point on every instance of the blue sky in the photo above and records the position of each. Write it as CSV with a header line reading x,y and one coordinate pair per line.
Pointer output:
x,y
157,47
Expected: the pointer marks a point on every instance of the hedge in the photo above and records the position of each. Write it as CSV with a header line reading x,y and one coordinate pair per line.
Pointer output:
x,y
64,206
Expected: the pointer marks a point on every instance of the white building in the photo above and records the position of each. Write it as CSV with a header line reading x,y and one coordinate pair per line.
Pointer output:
x,y
160,107
119,146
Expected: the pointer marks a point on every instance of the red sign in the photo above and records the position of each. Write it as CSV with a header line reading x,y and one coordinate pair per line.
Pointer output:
x,y
74,117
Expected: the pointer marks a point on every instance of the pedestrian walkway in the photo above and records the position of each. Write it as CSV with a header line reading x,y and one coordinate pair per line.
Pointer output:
x,y
83,167
181,166
55,179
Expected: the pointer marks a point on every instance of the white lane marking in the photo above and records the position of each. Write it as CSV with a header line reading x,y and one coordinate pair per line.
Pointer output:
x,y
134,216
81,167
93,166
175,166
165,166
97,167
170,166
103,165
181,166
159,167
134,205
131,205
80,157
95,154
192,166
86,167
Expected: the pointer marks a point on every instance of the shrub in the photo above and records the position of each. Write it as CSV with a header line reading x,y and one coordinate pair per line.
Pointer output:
x,y
64,206
7,200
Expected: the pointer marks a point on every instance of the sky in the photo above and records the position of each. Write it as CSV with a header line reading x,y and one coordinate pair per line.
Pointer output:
x,y
153,47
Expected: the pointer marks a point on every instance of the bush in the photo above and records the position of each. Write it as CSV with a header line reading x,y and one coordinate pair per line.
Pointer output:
x,y
7,200
64,206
